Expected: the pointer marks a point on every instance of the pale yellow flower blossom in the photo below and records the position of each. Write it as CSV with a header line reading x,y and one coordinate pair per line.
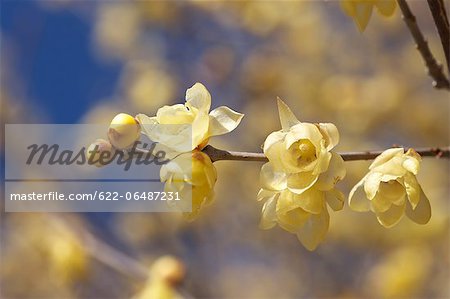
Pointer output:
x,y
192,175
361,10
299,180
391,189
195,123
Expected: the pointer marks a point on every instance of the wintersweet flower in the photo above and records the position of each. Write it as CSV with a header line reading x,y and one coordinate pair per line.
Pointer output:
x,y
303,211
301,146
195,124
124,131
299,180
191,175
391,189
361,10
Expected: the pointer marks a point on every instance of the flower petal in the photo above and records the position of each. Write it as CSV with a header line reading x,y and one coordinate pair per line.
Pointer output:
x,y
323,159
357,199
336,171
386,7
330,133
311,201
335,199
293,220
271,179
265,194
300,182
198,97
200,128
422,213
314,230
304,131
363,12
392,216
413,189
380,203
177,137
269,216
223,120
371,184
386,156
287,117
176,114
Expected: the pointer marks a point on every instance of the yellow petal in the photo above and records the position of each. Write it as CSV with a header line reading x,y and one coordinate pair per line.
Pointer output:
x,y
335,172
386,7
300,182
330,133
314,230
269,216
265,194
413,189
176,114
392,216
271,179
198,97
287,118
175,137
311,201
422,213
306,131
223,120
363,12
335,199
357,199
293,220
323,159
371,184
275,151
380,203
386,156
200,128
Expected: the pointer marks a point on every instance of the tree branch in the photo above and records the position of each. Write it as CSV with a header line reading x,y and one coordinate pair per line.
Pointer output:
x,y
434,68
218,154
437,8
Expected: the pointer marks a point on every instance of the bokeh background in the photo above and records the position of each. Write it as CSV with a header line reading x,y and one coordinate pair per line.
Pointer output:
x,y
84,61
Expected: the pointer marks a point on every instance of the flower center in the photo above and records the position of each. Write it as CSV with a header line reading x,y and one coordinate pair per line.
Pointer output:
x,y
306,151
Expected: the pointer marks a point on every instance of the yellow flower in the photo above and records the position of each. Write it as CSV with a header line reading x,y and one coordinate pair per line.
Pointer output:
x,y
299,180
391,189
123,131
304,211
194,123
301,147
192,175
361,10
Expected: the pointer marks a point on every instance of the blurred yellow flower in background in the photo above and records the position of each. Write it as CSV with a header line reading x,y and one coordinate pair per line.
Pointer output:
x,y
361,10
200,123
391,189
166,273
190,174
300,178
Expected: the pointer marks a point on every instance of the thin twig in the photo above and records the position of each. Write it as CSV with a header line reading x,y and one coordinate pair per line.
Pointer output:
x,y
434,68
218,154
437,8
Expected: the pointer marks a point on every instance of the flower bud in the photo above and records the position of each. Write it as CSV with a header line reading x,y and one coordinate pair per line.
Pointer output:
x,y
169,269
95,150
123,131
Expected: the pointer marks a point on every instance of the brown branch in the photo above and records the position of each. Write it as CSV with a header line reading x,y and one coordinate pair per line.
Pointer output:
x,y
437,8
219,155
434,68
